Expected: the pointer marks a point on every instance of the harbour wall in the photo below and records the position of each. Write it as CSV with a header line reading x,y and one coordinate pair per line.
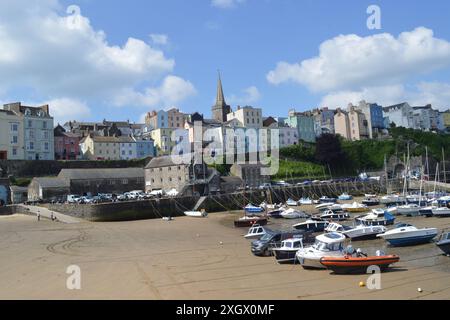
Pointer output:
x,y
164,207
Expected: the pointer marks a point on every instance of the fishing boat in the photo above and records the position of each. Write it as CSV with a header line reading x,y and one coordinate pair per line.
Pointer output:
x,y
255,232
293,214
345,197
196,214
330,215
409,210
442,212
326,199
371,201
408,235
251,209
306,201
326,245
247,221
358,264
355,207
362,232
378,217
444,242
286,252
291,203
311,225
336,227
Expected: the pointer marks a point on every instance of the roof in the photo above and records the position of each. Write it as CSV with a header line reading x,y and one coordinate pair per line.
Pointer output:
x,y
395,106
231,179
88,174
52,182
159,162
332,237
18,189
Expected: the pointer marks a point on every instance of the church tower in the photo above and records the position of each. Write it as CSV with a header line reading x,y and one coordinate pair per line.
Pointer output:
x,y
220,109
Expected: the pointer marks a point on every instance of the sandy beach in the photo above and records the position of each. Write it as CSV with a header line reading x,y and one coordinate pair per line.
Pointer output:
x,y
190,258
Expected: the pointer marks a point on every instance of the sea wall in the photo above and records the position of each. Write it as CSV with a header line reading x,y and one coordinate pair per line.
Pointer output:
x,y
157,208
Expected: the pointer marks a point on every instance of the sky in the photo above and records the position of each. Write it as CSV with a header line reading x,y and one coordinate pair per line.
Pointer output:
x,y
110,59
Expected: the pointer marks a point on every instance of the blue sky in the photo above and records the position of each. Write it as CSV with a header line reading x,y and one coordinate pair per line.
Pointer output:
x,y
246,41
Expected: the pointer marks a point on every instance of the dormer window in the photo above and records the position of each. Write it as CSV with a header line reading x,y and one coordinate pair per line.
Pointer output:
x,y
27,112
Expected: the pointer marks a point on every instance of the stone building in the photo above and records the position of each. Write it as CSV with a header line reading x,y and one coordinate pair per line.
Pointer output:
x,y
250,174
18,194
48,189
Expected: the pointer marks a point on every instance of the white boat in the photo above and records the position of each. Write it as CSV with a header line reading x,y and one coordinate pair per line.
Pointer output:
x,y
355,207
392,198
330,215
291,203
441,212
377,217
306,201
345,197
410,209
336,227
326,245
408,235
362,232
311,225
324,206
196,214
255,232
293,214
286,252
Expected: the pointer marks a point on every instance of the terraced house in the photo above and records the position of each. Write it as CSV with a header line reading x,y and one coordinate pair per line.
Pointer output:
x,y
11,136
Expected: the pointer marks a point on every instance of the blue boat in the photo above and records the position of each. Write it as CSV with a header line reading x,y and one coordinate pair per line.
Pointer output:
x,y
408,235
251,209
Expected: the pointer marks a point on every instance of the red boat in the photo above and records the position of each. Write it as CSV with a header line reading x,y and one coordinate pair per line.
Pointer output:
x,y
247,222
350,264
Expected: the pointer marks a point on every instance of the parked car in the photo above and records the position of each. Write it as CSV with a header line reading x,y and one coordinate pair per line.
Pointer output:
x,y
73,198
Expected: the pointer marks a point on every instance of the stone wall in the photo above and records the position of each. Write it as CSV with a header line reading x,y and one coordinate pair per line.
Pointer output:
x,y
158,208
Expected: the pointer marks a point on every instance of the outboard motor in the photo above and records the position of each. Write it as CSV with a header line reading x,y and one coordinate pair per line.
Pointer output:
x,y
379,253
349,250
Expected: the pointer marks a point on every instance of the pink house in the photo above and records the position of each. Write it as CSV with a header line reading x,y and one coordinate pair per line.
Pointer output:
x,y
67,144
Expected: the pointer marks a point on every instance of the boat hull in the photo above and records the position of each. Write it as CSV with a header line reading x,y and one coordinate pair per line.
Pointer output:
x,y
445,247
285,256
249,222
320,227
410,241
351,265
376,222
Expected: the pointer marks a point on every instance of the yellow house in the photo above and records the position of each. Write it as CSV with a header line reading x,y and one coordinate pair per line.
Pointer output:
x,y
100,148
163,140
11,136
446,118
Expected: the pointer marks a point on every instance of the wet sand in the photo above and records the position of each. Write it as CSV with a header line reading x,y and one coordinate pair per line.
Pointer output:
x,y
191,258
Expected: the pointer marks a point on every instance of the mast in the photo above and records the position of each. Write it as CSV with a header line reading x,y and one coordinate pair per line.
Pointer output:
x,y
427,165
443,164
436,177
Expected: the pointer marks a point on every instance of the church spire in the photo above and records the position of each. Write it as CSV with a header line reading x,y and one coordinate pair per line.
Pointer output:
x,y
220,99
220,110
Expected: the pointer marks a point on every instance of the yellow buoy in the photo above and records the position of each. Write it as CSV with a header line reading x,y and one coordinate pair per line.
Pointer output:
x,y
362,284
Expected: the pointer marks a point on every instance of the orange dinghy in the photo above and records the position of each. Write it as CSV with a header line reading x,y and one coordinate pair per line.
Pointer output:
x,y
349,264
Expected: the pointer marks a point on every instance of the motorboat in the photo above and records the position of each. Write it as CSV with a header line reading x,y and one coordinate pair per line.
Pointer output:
x,y
370,195
306,201
291,203
336,227
196,214
312,225
427,211
416,199
362,232
355,207
324,206
255,232
359,263
442,212
251,209
377,217
408,235
276,213
326,245
247,221
286,252
392,210
329,207
326,199
267,206
371,201
409,210
345,197
392,199
444,242
330,215
293,214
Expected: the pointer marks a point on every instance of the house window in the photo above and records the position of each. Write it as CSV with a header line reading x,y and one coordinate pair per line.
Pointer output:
x,y
31,145
30,123
124,181
14,127
14,152
44,125
14,139
46,146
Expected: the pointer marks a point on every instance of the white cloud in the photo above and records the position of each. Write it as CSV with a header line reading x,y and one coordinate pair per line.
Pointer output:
x,y
351,62
65,109
161,39
64,56
226,4
249,96
435,93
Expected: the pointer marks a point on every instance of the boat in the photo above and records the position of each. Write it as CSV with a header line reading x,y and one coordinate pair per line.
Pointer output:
x,y
255,232
326,199
311,225
362,232
330,215
371,201
444,242
246,221
427,211
293,214
355,207
392,210
196,214
326,245
442,212
336,227
358,264
286,252
345,197
392,199
291,203
408,235
409,210
276,213
251,209
378,217
306,201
